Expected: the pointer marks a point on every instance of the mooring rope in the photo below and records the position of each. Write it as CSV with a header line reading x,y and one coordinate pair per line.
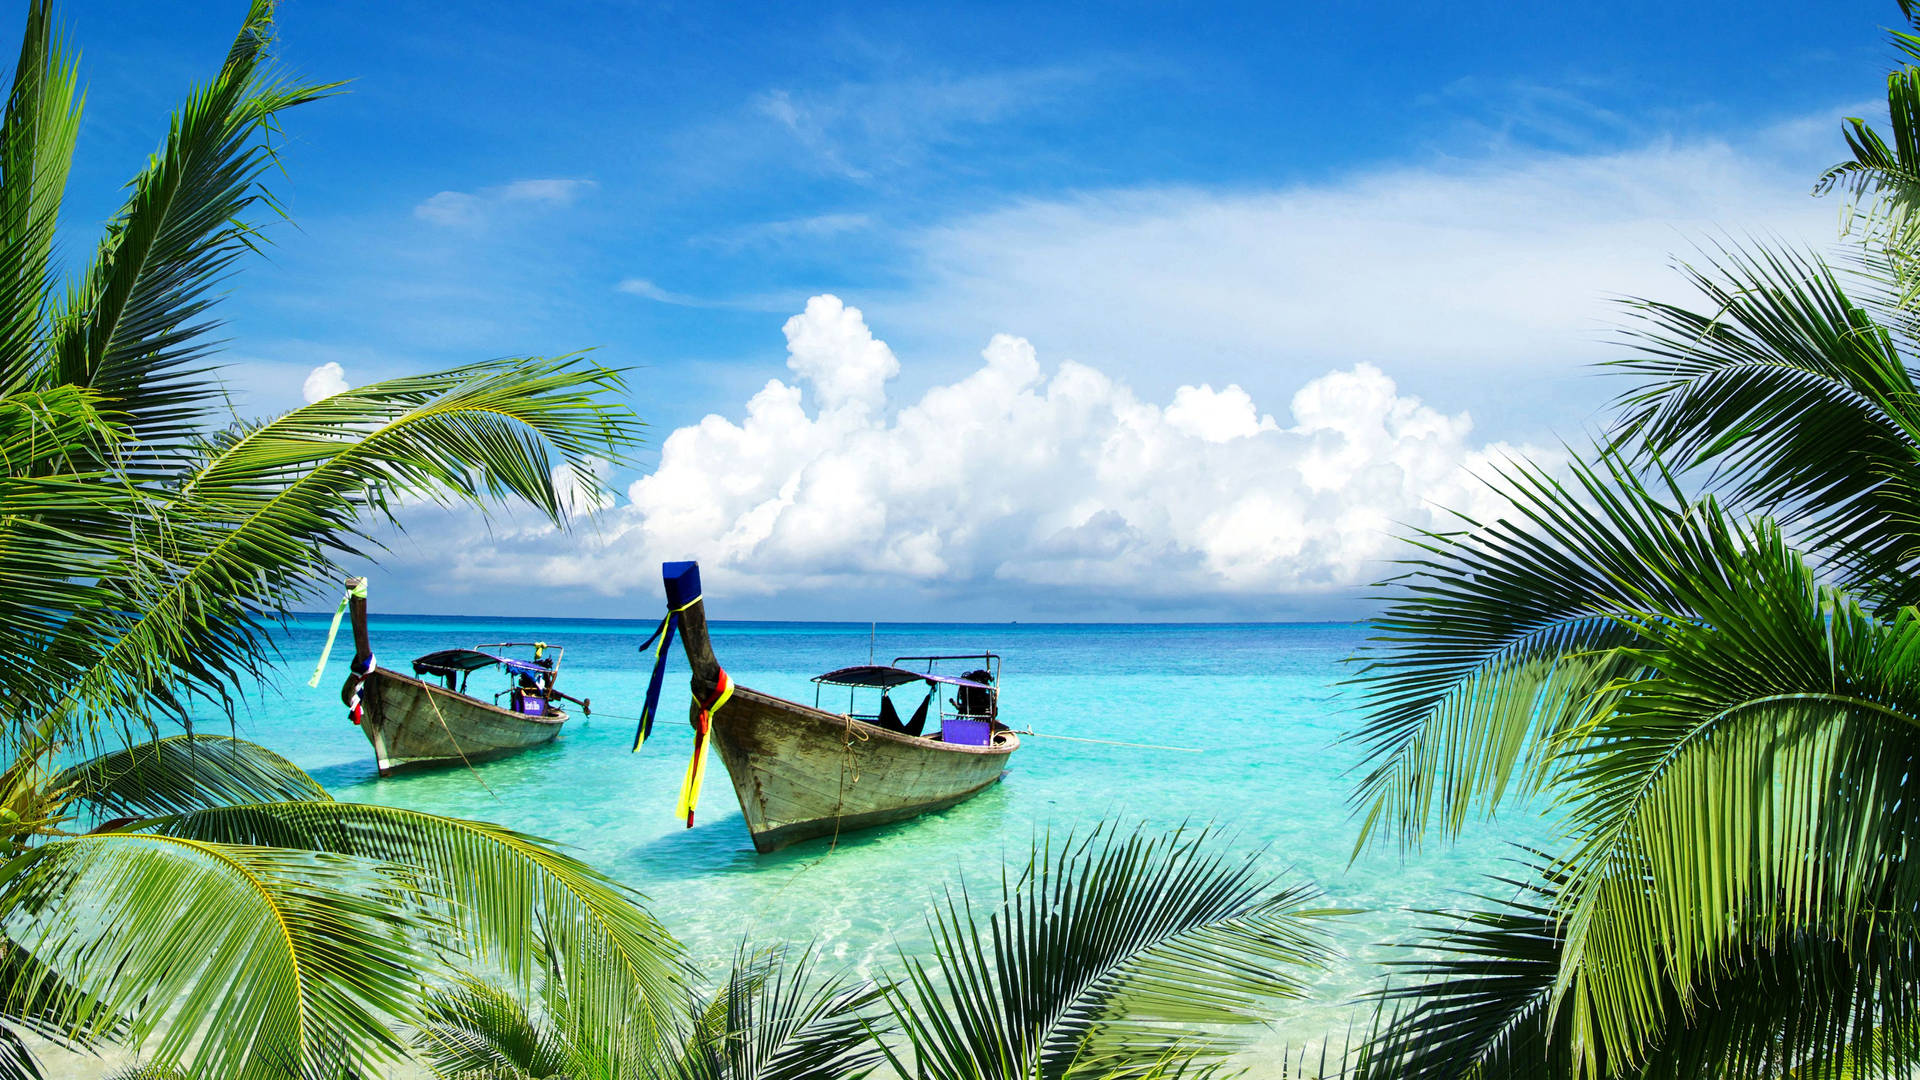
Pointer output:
x,y
456,746
1113,742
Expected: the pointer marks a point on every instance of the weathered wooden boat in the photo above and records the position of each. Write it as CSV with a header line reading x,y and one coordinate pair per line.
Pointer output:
x,y
802,771
430,716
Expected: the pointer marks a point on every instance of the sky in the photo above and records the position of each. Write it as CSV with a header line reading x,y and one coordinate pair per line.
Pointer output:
x,y
983,312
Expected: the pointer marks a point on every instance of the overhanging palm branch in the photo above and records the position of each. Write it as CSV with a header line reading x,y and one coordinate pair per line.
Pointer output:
x,y
1498,640
37,136
135,328
245,961
63,525
477,1030
183,773
264,515
1800,401
520,907
1482,1005
772,1018
1882,179
1753,787
1108,956
776,1018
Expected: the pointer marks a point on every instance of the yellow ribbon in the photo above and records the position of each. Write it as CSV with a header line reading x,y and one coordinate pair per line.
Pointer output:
x,y
697,768
333,631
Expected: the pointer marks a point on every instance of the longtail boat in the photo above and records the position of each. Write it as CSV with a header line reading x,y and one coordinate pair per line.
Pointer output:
x,y
410,719
802,771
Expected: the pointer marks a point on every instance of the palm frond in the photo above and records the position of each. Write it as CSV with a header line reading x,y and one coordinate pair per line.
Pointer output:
x,y
1800,401
516,903
1498,640
63,526
37,135
1108,956
135,328
246,961
182,773
1751,788
1483,1004
264,516
477,1030
776,1018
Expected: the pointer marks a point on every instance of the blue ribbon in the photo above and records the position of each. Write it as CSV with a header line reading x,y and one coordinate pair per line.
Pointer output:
x,y
662,638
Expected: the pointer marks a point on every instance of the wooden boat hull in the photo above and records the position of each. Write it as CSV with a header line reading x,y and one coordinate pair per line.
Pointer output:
x,y
409,721
801,773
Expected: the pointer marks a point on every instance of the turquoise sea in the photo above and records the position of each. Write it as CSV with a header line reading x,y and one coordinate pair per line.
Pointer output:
x,y
1261,703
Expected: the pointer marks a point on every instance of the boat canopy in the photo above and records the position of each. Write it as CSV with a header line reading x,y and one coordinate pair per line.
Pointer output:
x,y
886,677
460,661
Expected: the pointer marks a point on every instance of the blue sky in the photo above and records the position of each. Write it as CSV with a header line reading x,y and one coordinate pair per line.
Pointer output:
x,y
1415,204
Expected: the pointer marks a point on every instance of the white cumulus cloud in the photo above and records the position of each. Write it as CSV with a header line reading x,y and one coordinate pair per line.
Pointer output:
x,y
324,381
1019,476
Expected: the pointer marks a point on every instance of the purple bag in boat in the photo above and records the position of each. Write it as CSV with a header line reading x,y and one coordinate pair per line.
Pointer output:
x,y
964,731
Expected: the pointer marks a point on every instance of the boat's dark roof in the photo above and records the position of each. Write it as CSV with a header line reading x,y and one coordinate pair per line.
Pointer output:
x,y
447,660
884,676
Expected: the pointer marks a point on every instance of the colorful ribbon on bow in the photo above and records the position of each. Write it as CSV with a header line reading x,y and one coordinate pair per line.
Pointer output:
x,y
356,679
702,727
661,639
333,631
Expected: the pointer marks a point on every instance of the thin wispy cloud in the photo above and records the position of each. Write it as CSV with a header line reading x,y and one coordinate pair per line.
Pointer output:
x,y
463,209
646,289
1513,263
864,130
799,230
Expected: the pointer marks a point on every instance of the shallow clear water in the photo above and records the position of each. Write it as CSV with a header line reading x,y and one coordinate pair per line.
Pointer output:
x,y
1260,702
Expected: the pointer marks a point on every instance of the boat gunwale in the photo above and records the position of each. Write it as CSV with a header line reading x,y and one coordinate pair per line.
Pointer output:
x,y
559,716
918,742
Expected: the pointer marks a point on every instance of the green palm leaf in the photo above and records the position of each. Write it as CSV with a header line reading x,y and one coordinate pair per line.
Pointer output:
x,y
1109,956
773,1018
1800,401
1498,641
135,329
476,1030
63,526
37,135
182,773
776,1018
249,961
516,904
1750,789
265,514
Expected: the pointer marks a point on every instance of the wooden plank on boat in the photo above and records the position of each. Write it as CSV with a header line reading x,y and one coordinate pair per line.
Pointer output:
x,y
800,772
408,720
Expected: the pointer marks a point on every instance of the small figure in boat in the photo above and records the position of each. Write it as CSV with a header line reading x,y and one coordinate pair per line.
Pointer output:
x,y
542,690
975,701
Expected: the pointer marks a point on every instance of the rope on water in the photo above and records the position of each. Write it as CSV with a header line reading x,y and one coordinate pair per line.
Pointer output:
x,y
1113,742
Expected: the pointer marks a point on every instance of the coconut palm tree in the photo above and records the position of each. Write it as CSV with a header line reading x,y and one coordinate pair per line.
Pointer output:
x,y
1699,651
192,896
